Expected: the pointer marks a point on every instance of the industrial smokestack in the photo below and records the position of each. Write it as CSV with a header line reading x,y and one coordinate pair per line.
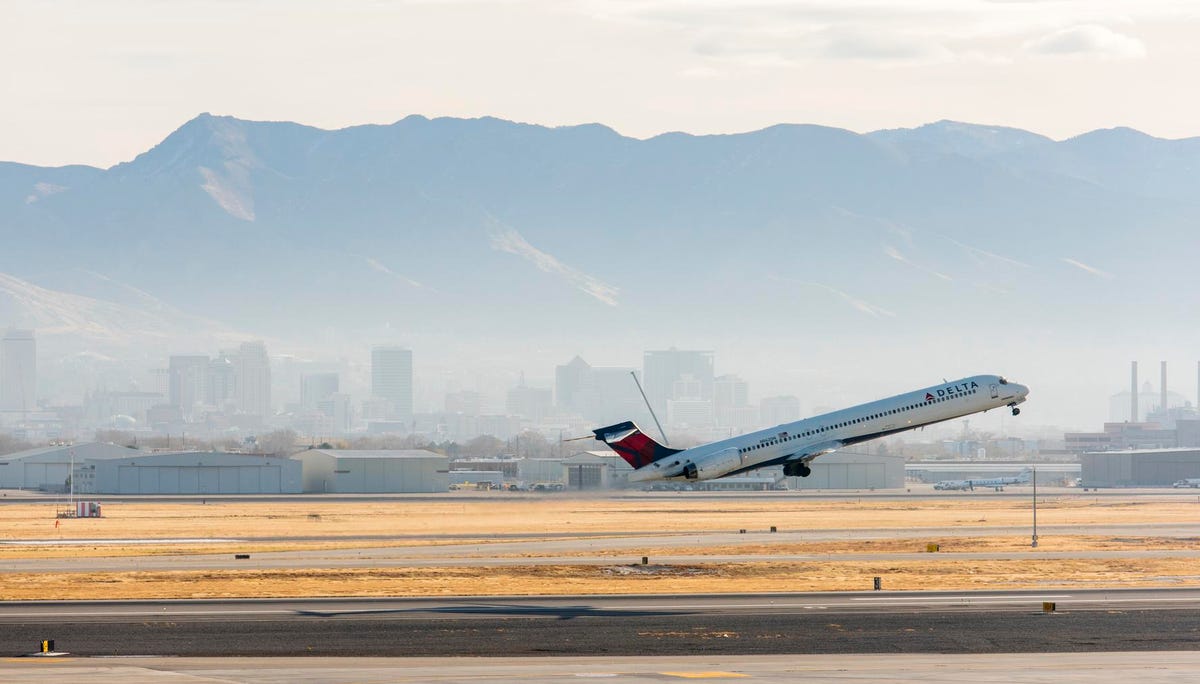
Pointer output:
x,y
1162,392
1133,391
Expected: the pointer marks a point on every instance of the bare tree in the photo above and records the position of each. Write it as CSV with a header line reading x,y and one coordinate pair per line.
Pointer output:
x,y
10,444
280,443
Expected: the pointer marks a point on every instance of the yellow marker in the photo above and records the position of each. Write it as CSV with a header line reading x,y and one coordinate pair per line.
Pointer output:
x,y
705,675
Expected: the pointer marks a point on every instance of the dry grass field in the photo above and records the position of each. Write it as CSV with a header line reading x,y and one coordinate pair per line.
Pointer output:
x,y
904,525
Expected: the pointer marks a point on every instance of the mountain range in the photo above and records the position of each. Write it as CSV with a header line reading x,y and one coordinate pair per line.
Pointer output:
x,y
493,230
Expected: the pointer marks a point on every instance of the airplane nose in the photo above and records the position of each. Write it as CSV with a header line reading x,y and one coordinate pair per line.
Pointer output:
x,y
1022,390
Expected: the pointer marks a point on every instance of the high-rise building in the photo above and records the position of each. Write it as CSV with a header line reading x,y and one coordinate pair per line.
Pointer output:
x,y
18,371
614,397
779,410
572,385
532,403
729,393
465,402
254,380
188,375
663,369
316,388
392,379
220,386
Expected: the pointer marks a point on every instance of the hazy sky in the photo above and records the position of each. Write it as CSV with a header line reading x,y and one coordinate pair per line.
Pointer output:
x,y
99,82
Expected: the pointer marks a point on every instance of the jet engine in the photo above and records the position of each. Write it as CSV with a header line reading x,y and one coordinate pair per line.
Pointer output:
x,y
721,463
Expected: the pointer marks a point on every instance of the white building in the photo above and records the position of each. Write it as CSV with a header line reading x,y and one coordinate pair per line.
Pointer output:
x,y
370,471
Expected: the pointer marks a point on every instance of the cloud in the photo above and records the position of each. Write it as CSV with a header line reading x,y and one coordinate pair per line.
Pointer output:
x,y
1087,40
895,254
506,239
376,265
1089,269
855,303
982,255
884,48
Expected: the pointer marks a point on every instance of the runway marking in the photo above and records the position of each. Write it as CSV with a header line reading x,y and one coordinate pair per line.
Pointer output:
x,y
111,542
924,599
706,675
31,659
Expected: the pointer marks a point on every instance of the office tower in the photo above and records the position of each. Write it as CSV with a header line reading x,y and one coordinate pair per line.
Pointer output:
x,y
571,385
729,393
188,375
528,402
613,397
220,385
316,388
465,402
663,369
779,410
392,379
18,371
253,368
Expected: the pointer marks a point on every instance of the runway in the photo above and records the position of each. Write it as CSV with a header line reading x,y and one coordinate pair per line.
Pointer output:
x,y
1060,668
667,625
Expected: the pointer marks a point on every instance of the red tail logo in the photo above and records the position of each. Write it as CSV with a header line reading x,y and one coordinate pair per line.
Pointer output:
x,y
632,444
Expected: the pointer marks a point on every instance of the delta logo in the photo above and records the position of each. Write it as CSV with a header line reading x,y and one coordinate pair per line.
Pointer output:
x,y
953,390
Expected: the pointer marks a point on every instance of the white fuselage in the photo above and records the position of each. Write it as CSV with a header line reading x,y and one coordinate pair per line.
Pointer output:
x,y
806,439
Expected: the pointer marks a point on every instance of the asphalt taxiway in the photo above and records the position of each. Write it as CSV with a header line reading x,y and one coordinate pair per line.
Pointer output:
x,y
749,624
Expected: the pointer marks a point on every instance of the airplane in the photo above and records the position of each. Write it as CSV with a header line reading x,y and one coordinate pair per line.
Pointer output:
x,y
955,485
997,483
795,445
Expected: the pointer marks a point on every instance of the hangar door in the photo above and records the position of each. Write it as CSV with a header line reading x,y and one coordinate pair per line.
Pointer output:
x,y
847,476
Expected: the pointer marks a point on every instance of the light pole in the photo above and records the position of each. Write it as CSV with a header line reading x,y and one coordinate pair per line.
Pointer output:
x,y
1035,508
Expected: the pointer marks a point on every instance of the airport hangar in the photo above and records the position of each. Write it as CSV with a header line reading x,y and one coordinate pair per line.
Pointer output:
x,y
189,472
852,470
47,468
344,471
1139,467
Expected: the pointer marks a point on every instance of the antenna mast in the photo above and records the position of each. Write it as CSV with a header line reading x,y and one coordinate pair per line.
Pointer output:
x,y
666,441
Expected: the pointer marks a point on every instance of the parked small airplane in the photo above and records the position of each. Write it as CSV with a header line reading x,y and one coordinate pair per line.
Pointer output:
x,y
997,483
795,445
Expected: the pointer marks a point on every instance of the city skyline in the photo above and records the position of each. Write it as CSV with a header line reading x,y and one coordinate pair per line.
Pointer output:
x,y
312,399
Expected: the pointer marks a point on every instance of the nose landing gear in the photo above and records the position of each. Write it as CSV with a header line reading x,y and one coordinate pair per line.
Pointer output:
x,y
1016,411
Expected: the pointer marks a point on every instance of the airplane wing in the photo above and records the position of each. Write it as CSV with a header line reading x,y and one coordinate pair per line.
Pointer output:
x,y
814,451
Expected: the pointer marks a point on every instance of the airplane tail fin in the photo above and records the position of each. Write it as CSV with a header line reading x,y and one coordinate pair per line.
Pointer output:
x,y
633,445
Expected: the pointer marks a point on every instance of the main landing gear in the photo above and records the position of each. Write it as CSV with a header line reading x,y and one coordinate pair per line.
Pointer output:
x,y
796,469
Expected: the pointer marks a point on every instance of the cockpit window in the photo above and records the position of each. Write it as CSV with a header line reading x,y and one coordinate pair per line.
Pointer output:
x,y
1003,381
